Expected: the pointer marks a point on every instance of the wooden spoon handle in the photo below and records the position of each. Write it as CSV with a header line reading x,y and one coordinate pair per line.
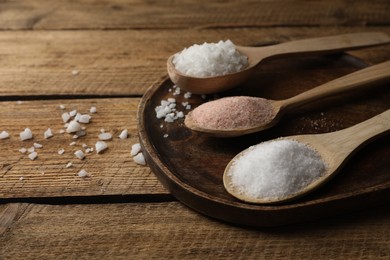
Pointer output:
x,y
341,143
359,79
328,44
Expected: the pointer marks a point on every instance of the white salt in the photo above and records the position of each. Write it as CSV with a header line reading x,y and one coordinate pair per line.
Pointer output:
x,y
4,135
82,174
75,72
79,154
23,150
124,134
100,146
61,151
68,165
105,136
73,113
275,169
135,149
48,133
65,117
62,107
140,159
93,110
210,59
84,118
37,145
26,134
73,127
33,156
31,149
62,131
187,95
72,143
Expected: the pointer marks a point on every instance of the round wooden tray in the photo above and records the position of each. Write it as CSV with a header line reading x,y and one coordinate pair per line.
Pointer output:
x,y
190,165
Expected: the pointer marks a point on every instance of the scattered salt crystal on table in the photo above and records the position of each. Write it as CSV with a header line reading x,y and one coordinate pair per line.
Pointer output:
x,y
135,149
33,155
79,154
75,72
187,95
84,118
140,159
68,165
62,107
93,110
26,134
165,135
210,59
31,149
73,127
37,145
48,133
72,143
21,178
105,136
65,117
4,135
82,174
62,131
100,146
275,169
61,151
23,150
73,113
124,134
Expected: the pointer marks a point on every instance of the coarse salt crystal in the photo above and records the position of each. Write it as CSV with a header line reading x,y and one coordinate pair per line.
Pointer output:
x,y
72,143
124,134
31,149
73,127
26,134
68,165
210,59
21,178
84,119
187,95
79,154
48,133
82,174
4,135
37,145
23,150
100,146
73,113
135,149
65,117
165,135
62,131
140,159
61,151
105,136
33,156
62,107
93,110
75,72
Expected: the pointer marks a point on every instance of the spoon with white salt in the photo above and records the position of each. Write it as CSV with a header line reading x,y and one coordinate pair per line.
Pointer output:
x,y
255,55
287,168
240,115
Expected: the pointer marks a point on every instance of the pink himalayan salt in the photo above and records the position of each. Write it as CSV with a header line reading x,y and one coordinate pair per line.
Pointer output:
x,y
233,113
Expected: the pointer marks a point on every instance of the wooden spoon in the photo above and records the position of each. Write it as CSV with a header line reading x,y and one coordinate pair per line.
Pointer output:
x,y
334,148
359,79
255,55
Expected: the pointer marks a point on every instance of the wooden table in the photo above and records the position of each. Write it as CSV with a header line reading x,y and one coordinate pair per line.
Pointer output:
x,y
106,54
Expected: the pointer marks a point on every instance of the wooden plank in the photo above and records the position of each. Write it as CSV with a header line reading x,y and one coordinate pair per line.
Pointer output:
x,y
99,14
111,173
169,230
122,62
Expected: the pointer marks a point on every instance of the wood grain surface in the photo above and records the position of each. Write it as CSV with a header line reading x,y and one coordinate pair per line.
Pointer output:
x,y
118,49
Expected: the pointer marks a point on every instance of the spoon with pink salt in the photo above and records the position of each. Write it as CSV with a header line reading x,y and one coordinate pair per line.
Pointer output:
x,y
240,115
256,55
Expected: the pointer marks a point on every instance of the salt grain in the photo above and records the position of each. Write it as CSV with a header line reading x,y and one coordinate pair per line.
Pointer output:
x,y
33,156
135,149
73,113
48,133
210,59
105,136
73,127
61,151
62,107
275,169
37,145
75,72
72,143
82,174
65,117
23,150
79,154
140,159
93,110
26,134
84,119
68,165
124,134
4,135
100,146
31,149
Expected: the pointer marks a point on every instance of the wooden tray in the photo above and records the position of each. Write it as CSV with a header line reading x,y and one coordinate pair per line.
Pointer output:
x,y
190,165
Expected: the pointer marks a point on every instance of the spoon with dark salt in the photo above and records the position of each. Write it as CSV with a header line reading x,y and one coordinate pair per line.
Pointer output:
x,y
287,168
240,115
255,55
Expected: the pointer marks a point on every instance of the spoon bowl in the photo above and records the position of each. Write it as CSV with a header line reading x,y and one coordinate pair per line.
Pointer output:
x,y
322,45
356,80
334,148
